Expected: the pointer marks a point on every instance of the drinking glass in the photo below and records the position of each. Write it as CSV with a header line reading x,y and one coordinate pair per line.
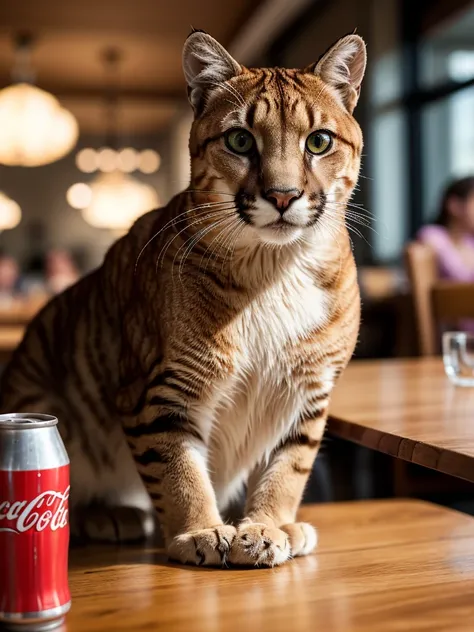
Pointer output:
x,y
458,357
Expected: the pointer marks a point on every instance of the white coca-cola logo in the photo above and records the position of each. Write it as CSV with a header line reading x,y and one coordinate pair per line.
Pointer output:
x,y
48,509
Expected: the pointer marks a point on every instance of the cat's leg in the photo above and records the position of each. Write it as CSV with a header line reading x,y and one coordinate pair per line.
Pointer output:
x,y
170,452
268,535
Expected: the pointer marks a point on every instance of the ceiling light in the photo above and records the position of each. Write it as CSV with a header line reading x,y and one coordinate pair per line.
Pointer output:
x,y
118,200
86,160
149,161
127,160
34,129
10,213
79,195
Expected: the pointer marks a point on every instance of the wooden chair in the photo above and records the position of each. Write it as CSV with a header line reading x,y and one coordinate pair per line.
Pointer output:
x,y
435,302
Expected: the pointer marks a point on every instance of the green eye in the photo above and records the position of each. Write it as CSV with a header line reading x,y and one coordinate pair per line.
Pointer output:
x,y
319,142
239,141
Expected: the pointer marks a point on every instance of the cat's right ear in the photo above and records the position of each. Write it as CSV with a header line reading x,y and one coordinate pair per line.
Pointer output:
x,y
343,67
206,64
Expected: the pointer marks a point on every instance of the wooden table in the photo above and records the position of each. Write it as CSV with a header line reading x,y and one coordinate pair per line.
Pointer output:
x,y
380,566
21,311
407,409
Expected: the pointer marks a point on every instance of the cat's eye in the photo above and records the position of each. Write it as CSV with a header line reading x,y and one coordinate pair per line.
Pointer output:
x,y
319,142
239,141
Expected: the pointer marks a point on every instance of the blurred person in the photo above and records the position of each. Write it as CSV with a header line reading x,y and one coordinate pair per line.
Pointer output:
x,y
61,271
9,278
451,237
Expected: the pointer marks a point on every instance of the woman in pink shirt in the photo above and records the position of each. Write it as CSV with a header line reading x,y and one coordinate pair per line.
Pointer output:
x,y
452,236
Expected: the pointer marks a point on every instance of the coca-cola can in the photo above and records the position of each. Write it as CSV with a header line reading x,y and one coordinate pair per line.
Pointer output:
x,y
34,527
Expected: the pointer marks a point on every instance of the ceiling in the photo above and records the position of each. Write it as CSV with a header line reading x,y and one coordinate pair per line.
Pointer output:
x,y
71,37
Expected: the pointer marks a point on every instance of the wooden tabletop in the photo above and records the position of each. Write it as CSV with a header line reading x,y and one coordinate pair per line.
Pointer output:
x,y
21,311
10,337
408,409
380,566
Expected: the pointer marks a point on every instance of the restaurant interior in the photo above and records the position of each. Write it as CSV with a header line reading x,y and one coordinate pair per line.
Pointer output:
x,y
94,128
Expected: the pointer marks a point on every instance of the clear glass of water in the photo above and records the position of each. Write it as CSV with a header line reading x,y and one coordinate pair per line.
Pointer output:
x,y
458,357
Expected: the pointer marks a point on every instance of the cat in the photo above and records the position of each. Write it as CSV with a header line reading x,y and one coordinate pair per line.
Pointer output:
x,y
199,359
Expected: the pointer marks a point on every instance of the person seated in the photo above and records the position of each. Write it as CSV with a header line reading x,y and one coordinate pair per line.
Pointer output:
x,y
451,237
9,279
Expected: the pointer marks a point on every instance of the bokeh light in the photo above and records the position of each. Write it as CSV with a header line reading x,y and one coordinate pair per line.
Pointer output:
x,y
149,161
128,160
107,160
79,195
86,160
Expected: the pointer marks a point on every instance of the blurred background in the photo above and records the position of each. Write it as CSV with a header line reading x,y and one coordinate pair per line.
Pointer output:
x,y
94,125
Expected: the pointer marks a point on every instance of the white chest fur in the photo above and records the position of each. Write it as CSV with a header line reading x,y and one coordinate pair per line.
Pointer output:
x,y
260,402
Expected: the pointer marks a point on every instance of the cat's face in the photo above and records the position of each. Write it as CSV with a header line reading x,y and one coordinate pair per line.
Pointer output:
x,y
280,146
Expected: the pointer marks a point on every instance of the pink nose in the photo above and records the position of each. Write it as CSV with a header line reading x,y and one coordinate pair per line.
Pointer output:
x,y
282,198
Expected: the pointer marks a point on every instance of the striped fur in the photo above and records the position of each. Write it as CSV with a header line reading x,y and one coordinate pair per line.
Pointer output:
x,y
200,357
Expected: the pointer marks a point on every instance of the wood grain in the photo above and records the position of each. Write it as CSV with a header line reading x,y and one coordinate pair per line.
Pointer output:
x,y
380,565
408,409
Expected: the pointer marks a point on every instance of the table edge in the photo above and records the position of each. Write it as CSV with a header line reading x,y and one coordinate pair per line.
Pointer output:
x,y
410,450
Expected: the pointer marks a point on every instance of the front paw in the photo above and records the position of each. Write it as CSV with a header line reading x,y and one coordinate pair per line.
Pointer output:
x,y
303,538
258,545
205,547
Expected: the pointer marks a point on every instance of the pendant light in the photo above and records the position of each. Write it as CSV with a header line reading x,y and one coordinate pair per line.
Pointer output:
x,y
34,129
114,199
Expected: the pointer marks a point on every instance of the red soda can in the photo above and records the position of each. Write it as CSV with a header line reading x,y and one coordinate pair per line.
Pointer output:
x,y
34,526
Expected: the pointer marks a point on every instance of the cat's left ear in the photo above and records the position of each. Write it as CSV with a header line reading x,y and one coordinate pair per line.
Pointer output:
x,y
343,67
206,64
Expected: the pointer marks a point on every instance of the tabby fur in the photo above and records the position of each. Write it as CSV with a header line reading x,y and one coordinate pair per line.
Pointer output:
x,y
199,359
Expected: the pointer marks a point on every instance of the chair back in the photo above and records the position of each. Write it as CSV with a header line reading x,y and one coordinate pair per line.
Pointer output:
x,y
436,303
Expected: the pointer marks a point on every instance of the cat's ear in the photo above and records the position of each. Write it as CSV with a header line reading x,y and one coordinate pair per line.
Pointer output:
x,y
342,67
206,64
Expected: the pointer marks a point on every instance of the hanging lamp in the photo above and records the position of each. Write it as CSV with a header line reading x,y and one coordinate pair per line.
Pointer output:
x,y
35,129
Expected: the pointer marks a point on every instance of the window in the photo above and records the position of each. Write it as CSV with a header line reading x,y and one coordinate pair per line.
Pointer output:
x,y
447,52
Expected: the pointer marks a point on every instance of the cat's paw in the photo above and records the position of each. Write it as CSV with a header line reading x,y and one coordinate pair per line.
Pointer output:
x,y
258,545
206,547
303,538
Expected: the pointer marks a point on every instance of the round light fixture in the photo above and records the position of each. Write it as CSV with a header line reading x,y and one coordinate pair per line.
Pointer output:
x,y
125,160
149,161
107,160
10,213
118,200
34,129
79,195
86,160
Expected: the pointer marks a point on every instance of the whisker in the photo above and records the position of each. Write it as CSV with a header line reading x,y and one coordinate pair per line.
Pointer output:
x,y
200,236
214,243
231,90
171,222
207,250
204,232
233,238
196,221
209,191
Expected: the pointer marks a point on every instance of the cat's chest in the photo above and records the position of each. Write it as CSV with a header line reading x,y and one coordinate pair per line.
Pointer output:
x,y
276,319
260,401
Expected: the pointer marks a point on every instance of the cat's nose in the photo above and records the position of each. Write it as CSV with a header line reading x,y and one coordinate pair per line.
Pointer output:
x,y
282,198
